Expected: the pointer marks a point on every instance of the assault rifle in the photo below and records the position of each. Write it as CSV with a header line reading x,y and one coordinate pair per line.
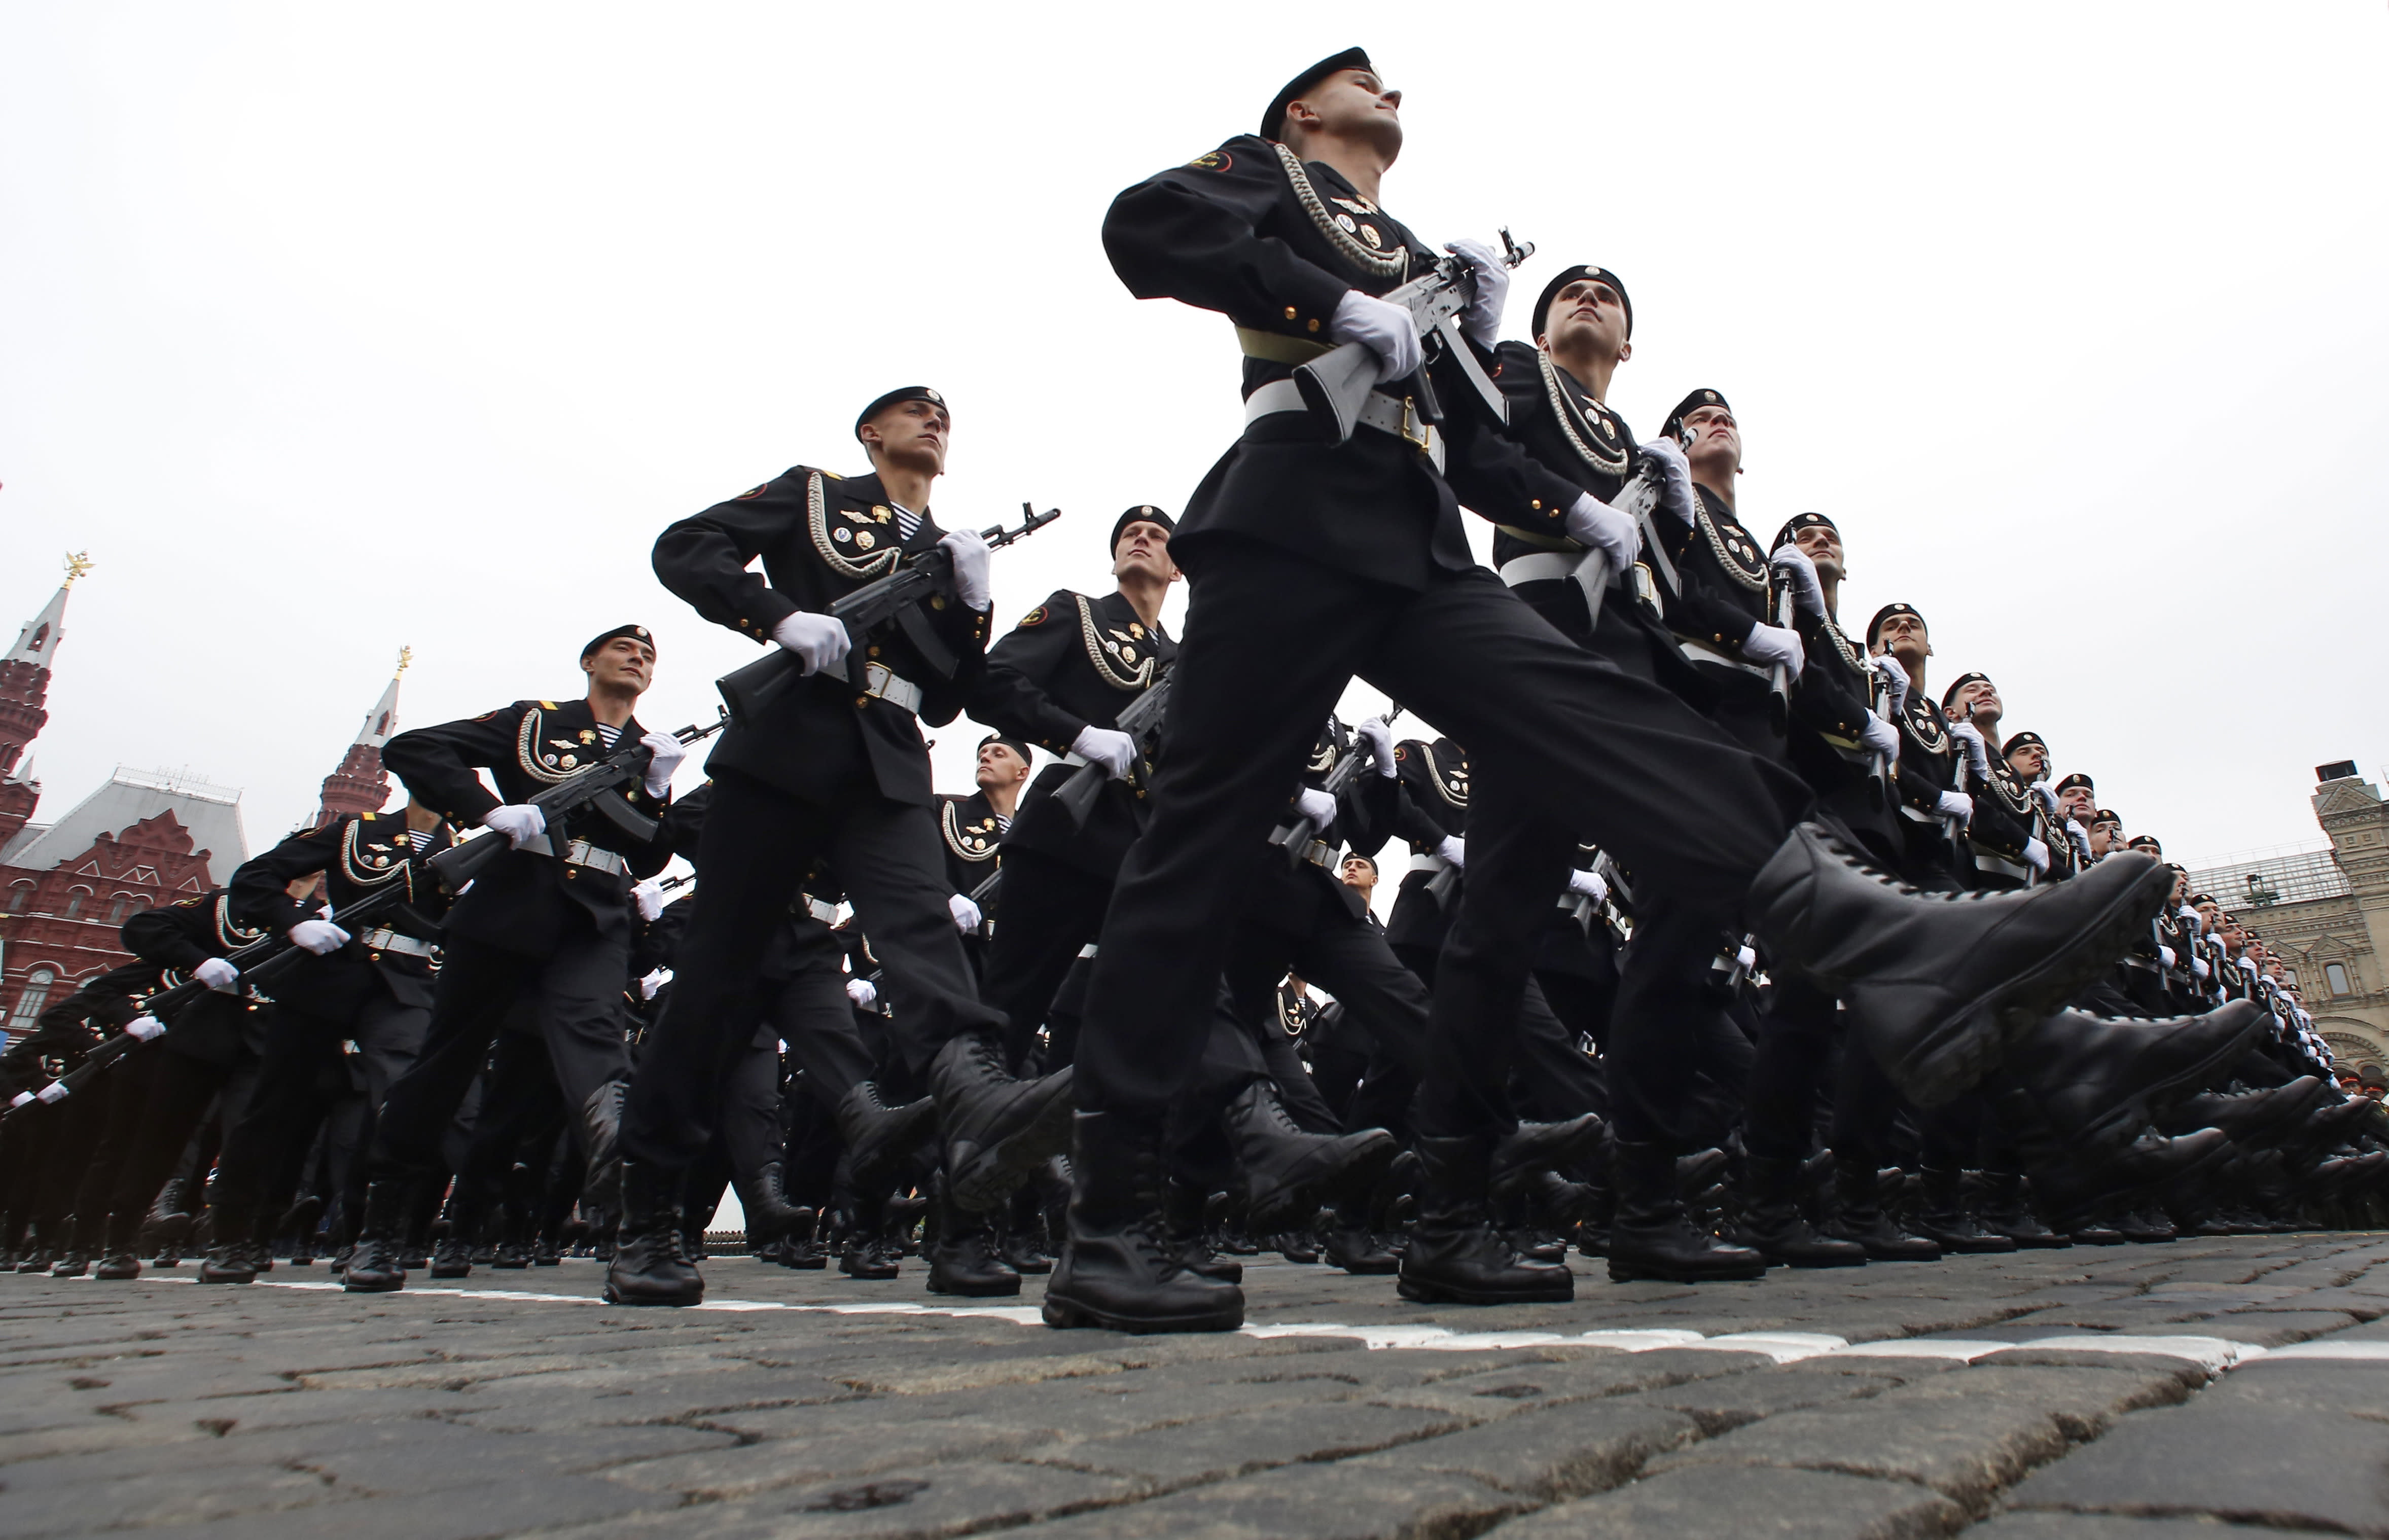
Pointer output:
x,y
599,787
1297,836
1141,721
1335,385
983,895
896,598
1580,907
1778,676
260,961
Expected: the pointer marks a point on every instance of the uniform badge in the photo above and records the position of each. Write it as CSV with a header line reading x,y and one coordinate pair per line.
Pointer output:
x,y
752,492
1136,628
1351,225
1369,233
841,533
571,761
588,736
1213,160
882,514
863,539
1034,617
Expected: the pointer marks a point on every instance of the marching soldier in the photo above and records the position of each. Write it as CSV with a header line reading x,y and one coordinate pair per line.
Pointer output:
x,y
973,828
547,927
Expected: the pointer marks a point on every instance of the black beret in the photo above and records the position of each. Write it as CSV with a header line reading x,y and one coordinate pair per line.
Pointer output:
x,y
1273,120
2198,898
1874,626
2022,740
1674,425
1017,745
1569,275
641,632
2143,842
2077,778
1960,684
1143,512
907,393
2101,815
1797,522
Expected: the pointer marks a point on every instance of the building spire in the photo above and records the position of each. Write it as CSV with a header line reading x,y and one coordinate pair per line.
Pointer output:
x,y
38,641
359,784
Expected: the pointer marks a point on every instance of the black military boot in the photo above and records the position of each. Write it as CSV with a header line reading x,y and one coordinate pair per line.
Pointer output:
x,y
83,1238
1182,1211
2145,1227
526,1187
1859,1216
1945,1221
372,1265
879,1136
1652,1236
1455,1256
2098,1080
1350,1243
997,1130
963,1258
867,1252
1935,984
1772,1224
1289,1173
2005,1212
234,1257
168,1224
650,1266
422,1213
2247,1118
452,1257
117,1259
1019,1242
769,1216
1533,1148
1118,1270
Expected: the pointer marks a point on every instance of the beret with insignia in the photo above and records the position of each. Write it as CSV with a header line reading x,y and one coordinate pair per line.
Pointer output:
x,y
1273,120
2101,815
2143,842
1874,626
1143,512
1017,745
1960,684
896,398
1674,427
1568,275
638,633
2197,899
1797,522
2022,740
2077,778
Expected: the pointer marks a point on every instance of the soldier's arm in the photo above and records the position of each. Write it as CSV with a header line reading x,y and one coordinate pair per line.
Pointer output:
x,y
1012,696
704,558
1192,235
168,937
1491,473
440,765
260,894
1423,830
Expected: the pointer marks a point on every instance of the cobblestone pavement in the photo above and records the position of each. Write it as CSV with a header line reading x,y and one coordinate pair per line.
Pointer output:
x,y
2141,1391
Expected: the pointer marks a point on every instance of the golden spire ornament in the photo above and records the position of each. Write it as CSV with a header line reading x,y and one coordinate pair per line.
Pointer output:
x,y
78,563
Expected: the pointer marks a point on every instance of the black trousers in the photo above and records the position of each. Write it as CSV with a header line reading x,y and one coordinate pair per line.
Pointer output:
x,y
299,1078
809,1012
574,998
752,858
1052,912
181,1093
1348,958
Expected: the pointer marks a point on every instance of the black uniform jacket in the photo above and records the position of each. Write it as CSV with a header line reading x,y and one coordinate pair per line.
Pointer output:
x,y
359,855
527,902
1827,741
1292,897
795,943
71,1028
1075,661
216,1028
2003,820
822,536
1274,243
1434,783
1929,764
973,837
1722,572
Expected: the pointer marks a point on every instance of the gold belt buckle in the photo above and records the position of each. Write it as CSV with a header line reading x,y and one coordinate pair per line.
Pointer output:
x,y
1425,440
874,678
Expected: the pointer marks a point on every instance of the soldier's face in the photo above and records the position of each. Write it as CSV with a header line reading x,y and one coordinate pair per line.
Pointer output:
x,y
2102,838
1144,548
2077,802
623,662
1350,104
999,765
2207,914
1717,438
1588,315
1823,548
2031,762
911,434
1903,637
1975,700
1359,872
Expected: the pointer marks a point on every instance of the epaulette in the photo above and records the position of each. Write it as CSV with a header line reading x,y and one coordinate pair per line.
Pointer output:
x,y
547,706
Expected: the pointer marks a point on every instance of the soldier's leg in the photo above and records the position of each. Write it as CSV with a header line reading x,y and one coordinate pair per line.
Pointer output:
x,y
889,856
1052,910
477,985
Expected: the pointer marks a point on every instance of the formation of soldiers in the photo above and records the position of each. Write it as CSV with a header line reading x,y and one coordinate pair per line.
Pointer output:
x,y
1723,942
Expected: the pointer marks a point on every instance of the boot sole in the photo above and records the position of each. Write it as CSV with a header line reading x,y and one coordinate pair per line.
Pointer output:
x,y
1664,1275
981,1178
1012,1291
1439,1294
353,1287
615,1296
1068,1314
2120,1126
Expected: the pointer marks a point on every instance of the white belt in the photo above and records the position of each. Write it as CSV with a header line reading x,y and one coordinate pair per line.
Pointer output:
x,y
1074,758
1917,814
891,687
1587,570
578,852
1985,861
826,913
1377,410
1428,863
1087,950
1701,652
1319,853
391,941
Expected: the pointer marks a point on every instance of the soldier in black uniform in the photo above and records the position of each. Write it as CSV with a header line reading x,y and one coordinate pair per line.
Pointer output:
x,y
973,826
64,1156
1312,562
828,770
372,989
549,924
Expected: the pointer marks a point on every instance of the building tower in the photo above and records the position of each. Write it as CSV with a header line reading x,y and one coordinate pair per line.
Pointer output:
x,y
24,693
359,786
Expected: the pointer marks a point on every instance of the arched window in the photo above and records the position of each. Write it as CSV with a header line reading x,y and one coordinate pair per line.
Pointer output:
x,y
19,896
2338,978
75,901
31,1000
116,909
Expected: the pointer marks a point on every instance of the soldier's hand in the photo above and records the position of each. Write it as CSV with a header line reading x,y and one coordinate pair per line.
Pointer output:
x,y
1589,885
1481,322
655,979
53,1093
1882,737
319,936
965,913
1895,678
1957,804
1598,527
142,1028
1383,328
1380,739
2036,855
1807,593
1455,850
1676,473
649,896
969,548
665,753
819,642
1769,645
862,992
1107,746
20,1099
1316,805
219,975
1978,755
519,821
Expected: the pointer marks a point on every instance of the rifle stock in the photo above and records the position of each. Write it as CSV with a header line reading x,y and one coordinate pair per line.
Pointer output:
x,y
1335,385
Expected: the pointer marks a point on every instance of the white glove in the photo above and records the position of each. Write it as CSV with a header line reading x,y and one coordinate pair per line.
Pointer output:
x,y
819,642
1978,755
142,1028
965,913
1895,678
2187,915
1380,739
970,551
1455,850
1383,328
2080,837
1807,593
2248,966
1677,477
319,936
21,1099
2048,799
2165,954
2036,855
1107,746
1957,804
218,974
654,981
669,752
1768,645
53,1093
1598,527
1747,957
862,992
649,896
1481,322
2197,967
1589,885
1316,805
518,820
1882,737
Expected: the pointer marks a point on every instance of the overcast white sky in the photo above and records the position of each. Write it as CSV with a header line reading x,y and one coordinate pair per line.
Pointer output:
x,y
333,328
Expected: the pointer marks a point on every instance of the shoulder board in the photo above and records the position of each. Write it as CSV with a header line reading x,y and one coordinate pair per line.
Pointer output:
x,y
367,818
547,706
